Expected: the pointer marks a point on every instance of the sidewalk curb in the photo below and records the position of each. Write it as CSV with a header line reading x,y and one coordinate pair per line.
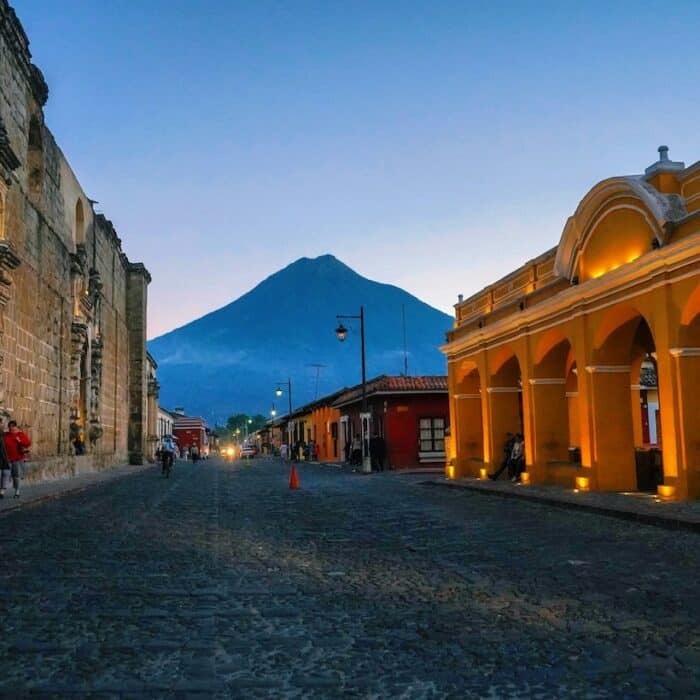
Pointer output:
x,y
396,472
667,522
37,500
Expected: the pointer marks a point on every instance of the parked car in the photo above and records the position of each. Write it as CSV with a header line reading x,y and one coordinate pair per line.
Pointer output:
x,y
249,451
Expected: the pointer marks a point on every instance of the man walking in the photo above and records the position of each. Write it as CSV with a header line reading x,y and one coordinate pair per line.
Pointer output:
x,y
377,452
5,471
16,445
507,452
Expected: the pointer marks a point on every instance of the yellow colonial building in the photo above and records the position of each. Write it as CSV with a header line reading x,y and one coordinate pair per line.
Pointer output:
x,y
592,350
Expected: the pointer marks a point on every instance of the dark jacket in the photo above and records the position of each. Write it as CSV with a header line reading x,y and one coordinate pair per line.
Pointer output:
x,y
4,461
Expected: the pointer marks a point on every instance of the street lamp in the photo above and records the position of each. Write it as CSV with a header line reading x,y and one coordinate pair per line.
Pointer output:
x,y
279,392
341,332
273,412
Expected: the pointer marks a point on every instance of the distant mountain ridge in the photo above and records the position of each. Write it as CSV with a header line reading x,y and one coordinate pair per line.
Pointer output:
x,y
231,359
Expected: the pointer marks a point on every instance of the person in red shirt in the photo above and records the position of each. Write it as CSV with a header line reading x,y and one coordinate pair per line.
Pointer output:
x,y
16,446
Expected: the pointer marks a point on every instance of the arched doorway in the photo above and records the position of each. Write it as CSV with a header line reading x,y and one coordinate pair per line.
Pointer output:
x,y
554,401
505,402
468,429
626,406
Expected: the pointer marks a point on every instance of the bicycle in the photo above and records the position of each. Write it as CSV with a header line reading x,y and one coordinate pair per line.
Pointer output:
x,y
166,458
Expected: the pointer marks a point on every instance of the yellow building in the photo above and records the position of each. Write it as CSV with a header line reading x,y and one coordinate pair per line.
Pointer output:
x,y
592,350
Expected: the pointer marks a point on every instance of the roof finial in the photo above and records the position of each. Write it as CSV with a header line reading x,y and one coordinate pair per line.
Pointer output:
x,y
664,165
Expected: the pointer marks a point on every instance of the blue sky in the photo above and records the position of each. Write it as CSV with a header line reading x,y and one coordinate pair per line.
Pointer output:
x,y
432,145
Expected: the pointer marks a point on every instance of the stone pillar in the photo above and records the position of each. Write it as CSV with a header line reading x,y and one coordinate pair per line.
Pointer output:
x,y
136,303
682,457
611,423
469,435
152,427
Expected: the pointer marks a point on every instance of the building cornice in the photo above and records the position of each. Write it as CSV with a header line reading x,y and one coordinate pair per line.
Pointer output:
x,y
633,278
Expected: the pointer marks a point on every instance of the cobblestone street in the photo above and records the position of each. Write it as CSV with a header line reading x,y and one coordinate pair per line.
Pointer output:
x,y
221,582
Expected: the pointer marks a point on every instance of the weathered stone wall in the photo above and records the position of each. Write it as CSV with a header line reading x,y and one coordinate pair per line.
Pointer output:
x,y
72,331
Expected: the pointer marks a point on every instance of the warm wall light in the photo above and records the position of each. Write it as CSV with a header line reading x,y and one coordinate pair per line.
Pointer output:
x,y
583,483
450,471
525,477
483,474
666,492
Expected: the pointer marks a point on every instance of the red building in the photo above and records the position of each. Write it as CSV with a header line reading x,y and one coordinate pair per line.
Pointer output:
x,y
191,431
410,413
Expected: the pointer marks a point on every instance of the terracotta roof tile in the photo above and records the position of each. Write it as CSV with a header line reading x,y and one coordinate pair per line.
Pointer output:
x,y
397,385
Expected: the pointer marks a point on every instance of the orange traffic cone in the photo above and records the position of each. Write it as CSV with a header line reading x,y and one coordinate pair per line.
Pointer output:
x,y
293,478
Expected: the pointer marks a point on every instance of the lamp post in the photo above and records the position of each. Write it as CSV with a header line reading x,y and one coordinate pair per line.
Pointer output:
x,y
246,424
279,392
341,331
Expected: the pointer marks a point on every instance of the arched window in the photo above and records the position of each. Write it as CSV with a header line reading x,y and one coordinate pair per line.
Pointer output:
x,y
79,231
35,157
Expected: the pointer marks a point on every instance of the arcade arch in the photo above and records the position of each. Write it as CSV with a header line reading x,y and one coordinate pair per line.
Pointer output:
x,y
626,406
554,396
505,400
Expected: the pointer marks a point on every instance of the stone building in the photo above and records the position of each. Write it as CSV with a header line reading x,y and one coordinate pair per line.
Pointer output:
x,y
73,368
592,349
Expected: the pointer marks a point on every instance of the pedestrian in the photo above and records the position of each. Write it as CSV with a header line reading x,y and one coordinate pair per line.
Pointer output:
x,y
507,451
347,450
284,451
517,458
5,471
79,445
17,445
377,452
356,453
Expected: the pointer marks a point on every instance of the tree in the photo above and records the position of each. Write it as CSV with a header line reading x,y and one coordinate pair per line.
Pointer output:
x,y
240,420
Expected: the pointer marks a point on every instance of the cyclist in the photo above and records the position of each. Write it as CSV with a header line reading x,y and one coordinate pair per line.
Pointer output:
x,y
167,454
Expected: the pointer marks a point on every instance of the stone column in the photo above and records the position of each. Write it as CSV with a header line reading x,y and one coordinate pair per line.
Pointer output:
x,y
611,423
136,303
469,441
152,427
684,459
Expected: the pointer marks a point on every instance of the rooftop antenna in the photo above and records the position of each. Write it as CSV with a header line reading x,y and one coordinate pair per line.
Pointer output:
x,y
318,373
405,352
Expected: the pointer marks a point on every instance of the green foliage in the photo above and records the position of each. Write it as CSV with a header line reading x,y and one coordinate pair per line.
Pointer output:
x,y
240,420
